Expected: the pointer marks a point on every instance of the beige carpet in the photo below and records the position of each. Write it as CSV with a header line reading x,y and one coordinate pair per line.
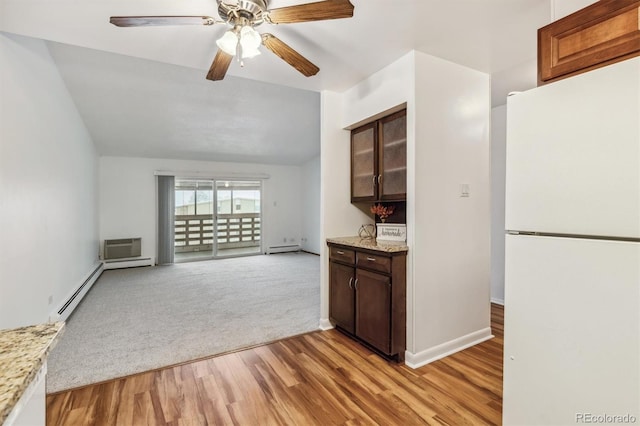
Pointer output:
x,y
139,319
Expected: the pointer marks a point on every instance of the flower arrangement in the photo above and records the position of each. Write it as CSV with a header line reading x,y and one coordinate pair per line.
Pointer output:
x,y
382,211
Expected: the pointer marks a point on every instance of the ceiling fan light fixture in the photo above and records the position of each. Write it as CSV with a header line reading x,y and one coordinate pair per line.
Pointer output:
x,y
228,42
250,41
243,41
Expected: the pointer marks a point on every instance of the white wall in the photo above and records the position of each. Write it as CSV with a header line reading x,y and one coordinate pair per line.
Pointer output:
x,y
48,186
562,8
383,91
498,172
452,234
448,267
310,201
128,197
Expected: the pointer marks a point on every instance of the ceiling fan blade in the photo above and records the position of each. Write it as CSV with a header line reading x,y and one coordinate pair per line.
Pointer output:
x,y
289,55
318,11
219,66
146,21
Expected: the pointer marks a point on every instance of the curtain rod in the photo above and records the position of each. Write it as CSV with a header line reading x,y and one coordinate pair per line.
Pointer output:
x,y
211,175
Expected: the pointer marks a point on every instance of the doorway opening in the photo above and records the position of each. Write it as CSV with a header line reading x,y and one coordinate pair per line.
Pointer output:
x,y
217,218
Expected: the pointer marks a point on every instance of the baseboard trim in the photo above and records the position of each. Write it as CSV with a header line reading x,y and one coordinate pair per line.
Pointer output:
x,y
445,349
62,312
497,301
325,324
133,262
282,249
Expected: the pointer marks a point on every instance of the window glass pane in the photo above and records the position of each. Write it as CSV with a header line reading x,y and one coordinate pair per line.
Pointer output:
x,y
224,201
204,198
185,202
246,201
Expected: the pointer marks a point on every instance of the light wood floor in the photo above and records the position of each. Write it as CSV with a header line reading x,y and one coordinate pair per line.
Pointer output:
x,y
321,378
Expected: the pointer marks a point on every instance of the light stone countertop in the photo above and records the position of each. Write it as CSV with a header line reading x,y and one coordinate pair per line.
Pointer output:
x,y
370,244
23,351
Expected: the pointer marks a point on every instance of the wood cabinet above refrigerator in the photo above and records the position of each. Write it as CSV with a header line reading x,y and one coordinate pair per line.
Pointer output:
x,y
600,34
379,160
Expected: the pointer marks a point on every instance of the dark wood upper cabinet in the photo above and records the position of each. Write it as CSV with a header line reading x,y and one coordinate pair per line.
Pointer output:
x,y
379,160
600,34
364,161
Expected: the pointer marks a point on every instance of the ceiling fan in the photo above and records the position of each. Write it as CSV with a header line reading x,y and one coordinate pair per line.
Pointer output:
x,y
242,40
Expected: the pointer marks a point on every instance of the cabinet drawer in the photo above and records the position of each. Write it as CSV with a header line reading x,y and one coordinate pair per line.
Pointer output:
x,y
342,255
374,262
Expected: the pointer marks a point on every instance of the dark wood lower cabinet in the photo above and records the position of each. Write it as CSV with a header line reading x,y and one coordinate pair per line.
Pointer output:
x,y
373,309
367,297
342,296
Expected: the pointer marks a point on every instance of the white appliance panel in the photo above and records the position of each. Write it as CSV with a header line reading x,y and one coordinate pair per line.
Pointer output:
x,y
572,329
573,155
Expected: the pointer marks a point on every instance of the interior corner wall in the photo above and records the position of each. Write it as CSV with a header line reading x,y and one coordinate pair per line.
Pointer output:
x,y
498,176
128,199
451,252
380,92
310,199
338,217
48,186
386,89
448,124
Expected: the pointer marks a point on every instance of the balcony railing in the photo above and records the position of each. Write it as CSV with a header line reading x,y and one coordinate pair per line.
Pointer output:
x,y
195,232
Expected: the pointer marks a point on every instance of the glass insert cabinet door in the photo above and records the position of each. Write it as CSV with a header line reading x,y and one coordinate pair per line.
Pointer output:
x,y
379,160
392,180
217,218
364,158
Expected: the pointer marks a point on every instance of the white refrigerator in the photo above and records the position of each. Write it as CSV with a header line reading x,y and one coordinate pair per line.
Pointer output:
x,y
572,266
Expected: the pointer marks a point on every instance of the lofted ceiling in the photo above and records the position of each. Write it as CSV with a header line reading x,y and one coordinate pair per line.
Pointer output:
x,y
142,91
140,108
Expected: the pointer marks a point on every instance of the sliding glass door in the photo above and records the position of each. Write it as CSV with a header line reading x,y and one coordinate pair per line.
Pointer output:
x,y
232,228
194,238
238,224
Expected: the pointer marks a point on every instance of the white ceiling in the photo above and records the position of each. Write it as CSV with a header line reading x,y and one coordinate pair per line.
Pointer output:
x,y
156,96
139,108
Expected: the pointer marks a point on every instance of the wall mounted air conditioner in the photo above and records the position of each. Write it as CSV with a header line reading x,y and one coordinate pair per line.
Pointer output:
x,y
122,248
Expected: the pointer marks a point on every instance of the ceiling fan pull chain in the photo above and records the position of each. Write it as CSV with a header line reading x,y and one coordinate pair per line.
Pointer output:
x,y
239,50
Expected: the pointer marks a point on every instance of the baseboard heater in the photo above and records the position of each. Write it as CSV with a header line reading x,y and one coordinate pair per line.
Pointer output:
x,y
132,262
283,249
76,296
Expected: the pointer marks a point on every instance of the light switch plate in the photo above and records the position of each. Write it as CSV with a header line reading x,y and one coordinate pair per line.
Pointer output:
x,y
464,190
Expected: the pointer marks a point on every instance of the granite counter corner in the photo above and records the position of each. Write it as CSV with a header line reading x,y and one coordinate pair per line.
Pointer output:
x,y
23,352
370,244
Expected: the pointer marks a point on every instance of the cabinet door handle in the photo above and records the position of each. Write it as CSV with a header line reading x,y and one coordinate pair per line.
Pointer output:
x,y
374,179
355,284
371,259
379,179
340,252
351,283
